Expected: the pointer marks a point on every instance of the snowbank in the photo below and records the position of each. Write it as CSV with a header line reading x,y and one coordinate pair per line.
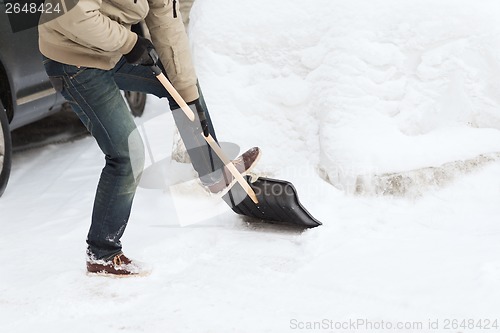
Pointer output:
x,y
366,88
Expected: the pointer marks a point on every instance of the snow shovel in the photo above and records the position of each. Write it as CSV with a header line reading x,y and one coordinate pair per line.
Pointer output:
x,y
265,199
210,140
278,203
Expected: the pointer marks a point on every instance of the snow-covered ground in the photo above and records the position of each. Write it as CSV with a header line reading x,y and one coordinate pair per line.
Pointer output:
x,y
348,100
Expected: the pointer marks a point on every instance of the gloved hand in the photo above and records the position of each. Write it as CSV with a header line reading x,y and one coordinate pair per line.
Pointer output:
x,y
201,115
139,55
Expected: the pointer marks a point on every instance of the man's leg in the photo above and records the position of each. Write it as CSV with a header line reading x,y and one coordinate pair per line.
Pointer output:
x,y
97,100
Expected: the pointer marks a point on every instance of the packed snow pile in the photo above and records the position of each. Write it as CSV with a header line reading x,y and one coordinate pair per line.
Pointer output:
x,y
379,93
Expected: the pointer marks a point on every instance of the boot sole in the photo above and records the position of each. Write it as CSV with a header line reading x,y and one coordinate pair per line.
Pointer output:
x,y
117,276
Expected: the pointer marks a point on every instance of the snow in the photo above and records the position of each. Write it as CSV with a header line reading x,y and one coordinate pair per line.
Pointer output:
x,y
349,100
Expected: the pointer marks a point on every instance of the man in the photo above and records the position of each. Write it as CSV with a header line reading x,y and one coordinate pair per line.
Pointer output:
x,y
90,54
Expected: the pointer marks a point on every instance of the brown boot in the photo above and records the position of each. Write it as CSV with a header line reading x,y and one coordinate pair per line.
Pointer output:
x,y
244,163
119,266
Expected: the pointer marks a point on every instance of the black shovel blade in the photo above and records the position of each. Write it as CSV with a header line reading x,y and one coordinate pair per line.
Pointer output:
x,y
278,203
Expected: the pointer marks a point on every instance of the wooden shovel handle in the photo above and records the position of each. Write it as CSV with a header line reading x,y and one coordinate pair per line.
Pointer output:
x,y
210,140
177,97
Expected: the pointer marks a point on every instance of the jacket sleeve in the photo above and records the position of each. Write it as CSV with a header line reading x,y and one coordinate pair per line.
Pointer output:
x,y
89,27
171,42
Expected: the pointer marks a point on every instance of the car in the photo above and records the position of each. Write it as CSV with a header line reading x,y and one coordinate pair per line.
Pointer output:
x,y
26,94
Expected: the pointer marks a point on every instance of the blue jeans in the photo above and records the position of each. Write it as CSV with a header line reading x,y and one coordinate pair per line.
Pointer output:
x,y
94,95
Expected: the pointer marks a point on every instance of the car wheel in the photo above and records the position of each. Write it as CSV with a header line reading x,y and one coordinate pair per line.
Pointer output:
x,y
136,102
5,150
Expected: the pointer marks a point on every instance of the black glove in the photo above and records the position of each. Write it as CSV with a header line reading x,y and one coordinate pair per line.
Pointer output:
x,y
201,115
140,53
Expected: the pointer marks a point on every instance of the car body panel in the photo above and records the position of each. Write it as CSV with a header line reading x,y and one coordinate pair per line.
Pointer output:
x,y
31,94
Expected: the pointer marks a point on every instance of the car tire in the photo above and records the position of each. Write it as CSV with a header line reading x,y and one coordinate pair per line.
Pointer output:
x,y
5,150
136,101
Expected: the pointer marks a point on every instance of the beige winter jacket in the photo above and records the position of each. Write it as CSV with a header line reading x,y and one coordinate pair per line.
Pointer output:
x,y
96,33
